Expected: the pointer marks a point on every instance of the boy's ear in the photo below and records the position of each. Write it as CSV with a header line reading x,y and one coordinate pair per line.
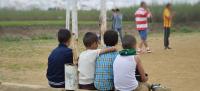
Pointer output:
x,y
69,42
134,46
99,42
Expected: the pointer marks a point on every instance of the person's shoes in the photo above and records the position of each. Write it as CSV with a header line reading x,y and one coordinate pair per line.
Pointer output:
x,y
148,50
158,87
139,50
169,48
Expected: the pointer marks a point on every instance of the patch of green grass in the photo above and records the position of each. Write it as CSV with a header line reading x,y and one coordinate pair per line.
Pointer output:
x,y
14,66
11,38
43,37
174,30
17,38
31,23
40,65
183,13
41,23
1,78
186,30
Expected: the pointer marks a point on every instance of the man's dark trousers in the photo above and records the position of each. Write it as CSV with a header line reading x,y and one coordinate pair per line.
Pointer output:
x,y
166,36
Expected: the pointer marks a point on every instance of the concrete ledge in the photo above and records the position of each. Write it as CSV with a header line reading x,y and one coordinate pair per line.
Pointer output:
x,y
25,87
5,86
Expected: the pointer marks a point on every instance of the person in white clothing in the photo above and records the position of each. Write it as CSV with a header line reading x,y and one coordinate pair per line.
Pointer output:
x,y
86,62
125,65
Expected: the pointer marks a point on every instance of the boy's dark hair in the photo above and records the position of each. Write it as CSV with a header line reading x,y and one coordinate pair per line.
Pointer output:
x,y
168,5
117,10
142,3
128,41
89,39
64,35
110,38
113,10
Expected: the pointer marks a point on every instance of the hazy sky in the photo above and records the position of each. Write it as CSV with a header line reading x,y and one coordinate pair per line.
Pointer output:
x,y
83,4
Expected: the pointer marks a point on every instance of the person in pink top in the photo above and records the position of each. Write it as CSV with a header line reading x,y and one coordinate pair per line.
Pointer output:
x,y
141,20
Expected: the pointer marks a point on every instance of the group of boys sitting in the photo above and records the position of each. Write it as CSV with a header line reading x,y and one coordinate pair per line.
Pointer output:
x,y
103,69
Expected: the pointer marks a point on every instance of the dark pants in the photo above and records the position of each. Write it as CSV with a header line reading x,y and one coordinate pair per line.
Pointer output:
x,y
166,36
119,30
87,87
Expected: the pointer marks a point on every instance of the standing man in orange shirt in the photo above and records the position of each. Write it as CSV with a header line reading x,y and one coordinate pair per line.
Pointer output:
x,y
167,22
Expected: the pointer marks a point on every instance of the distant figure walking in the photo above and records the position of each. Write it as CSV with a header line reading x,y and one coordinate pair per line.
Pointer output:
x,y
117,22
167,22
141,18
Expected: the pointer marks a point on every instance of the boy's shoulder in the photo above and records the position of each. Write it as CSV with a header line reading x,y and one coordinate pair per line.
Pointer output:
x,y
89,51
62,49
110,54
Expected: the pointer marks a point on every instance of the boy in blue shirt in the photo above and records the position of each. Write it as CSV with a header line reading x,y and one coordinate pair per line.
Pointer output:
x,y
104,64
58,58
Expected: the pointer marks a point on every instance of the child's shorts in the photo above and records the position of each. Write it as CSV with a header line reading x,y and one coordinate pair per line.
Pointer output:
x,y
87,86
143,34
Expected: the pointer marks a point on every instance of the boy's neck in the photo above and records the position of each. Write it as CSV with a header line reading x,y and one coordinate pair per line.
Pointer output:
x,y
108,46
66,44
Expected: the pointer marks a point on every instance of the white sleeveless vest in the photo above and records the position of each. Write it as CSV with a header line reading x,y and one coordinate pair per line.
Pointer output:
x,y
124,68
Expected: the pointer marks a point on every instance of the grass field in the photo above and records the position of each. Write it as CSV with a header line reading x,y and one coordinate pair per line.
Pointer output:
x,y
183,13
25,60
42,23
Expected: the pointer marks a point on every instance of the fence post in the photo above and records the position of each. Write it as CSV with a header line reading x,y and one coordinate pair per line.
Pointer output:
x,y
71,71
103,19
75,30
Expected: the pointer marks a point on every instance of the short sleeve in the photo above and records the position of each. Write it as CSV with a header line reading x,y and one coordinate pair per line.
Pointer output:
x,y
97,52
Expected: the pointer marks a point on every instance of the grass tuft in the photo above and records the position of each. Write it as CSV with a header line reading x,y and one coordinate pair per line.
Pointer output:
x,y
186,30
42,37
11,38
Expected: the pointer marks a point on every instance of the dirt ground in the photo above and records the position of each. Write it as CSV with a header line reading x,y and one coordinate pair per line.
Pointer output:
x,y
25,61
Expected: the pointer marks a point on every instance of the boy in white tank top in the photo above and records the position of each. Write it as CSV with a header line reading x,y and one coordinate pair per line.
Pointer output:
x,y
125,66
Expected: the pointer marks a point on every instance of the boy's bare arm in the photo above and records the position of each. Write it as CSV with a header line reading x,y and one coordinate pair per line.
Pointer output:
x,y
141,69
107,50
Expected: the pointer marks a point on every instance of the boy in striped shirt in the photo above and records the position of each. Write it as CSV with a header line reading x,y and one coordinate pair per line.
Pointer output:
x,y
141,19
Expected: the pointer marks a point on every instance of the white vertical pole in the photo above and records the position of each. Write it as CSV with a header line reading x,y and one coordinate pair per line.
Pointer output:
x,y
114,4
75,29
71,72
104,19
68,15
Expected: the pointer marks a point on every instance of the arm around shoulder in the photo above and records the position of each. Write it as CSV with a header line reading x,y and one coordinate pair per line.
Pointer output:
x,y
107,50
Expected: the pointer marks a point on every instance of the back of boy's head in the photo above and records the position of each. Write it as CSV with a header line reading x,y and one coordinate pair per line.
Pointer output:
x,y
110,38
168,5
117,10
64,35
143,3
89,39
128,42
113,10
